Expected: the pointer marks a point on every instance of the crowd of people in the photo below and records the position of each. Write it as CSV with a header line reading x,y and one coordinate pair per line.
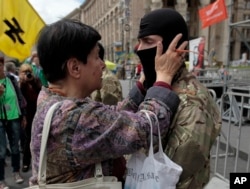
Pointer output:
x,y
92,122
19,89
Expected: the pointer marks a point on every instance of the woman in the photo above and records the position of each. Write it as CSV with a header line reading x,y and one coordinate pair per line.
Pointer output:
x,y
84,132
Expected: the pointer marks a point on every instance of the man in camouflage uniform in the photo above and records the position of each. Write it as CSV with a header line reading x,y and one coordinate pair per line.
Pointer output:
x,y
111,91
193,131
197,122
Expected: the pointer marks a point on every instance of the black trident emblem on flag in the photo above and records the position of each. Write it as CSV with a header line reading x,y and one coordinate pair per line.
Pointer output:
x,y
14,30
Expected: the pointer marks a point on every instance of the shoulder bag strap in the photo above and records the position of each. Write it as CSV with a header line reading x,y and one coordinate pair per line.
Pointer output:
x,y
43,150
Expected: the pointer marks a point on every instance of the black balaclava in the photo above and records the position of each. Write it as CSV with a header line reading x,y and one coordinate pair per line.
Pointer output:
x,y
166,23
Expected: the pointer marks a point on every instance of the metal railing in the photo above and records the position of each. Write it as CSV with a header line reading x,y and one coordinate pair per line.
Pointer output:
x,y
231,152
234,76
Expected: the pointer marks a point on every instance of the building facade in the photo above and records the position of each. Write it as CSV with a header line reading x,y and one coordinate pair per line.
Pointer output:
x,y
118,23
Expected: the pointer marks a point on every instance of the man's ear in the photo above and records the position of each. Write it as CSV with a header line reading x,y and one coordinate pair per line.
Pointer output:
x,y
74,67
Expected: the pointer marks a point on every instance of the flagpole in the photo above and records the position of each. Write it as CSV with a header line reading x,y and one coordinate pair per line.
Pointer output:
x,y
228,44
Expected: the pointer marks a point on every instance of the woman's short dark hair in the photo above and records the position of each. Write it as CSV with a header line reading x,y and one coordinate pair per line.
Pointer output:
x,y
101,51
61,41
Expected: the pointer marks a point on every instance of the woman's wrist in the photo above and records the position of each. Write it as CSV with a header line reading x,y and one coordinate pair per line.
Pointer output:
x,y
164,78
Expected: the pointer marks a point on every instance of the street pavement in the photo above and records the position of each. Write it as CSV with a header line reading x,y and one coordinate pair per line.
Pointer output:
x,y
217,181
237,138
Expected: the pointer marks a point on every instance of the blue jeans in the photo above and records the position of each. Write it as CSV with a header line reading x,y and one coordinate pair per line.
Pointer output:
x,y
12,129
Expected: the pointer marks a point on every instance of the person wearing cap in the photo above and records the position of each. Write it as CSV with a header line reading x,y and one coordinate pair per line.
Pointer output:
x,y
197,116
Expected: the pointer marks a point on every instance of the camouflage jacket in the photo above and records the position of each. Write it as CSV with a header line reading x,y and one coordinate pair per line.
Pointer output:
x,y
111,91
194,129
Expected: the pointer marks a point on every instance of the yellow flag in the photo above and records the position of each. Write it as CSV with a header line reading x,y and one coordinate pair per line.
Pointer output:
x,y
19,26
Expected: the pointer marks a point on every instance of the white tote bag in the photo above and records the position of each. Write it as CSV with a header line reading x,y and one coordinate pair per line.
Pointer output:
x,y
97,182
155,171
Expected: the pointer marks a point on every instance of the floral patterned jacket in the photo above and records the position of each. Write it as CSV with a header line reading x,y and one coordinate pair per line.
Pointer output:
x,y
84,132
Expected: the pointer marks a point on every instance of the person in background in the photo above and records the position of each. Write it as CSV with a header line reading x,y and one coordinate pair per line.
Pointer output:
x,y
84,132
111,91
223,72
12,70
12,113
120,70
37,69
198,118
30,87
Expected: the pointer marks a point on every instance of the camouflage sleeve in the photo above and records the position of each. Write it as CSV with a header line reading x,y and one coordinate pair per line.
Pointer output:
x,y
202,118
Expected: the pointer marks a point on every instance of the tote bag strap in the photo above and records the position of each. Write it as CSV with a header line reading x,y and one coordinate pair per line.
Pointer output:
x,y
43,150
151,148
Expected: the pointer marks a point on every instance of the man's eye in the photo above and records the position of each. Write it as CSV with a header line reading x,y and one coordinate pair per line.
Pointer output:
x,y
149,41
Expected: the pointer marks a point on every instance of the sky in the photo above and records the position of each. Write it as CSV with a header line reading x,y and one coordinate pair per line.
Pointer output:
x,y
53,10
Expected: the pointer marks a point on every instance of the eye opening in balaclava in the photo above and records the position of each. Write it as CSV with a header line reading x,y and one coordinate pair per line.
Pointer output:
x,y
166,23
